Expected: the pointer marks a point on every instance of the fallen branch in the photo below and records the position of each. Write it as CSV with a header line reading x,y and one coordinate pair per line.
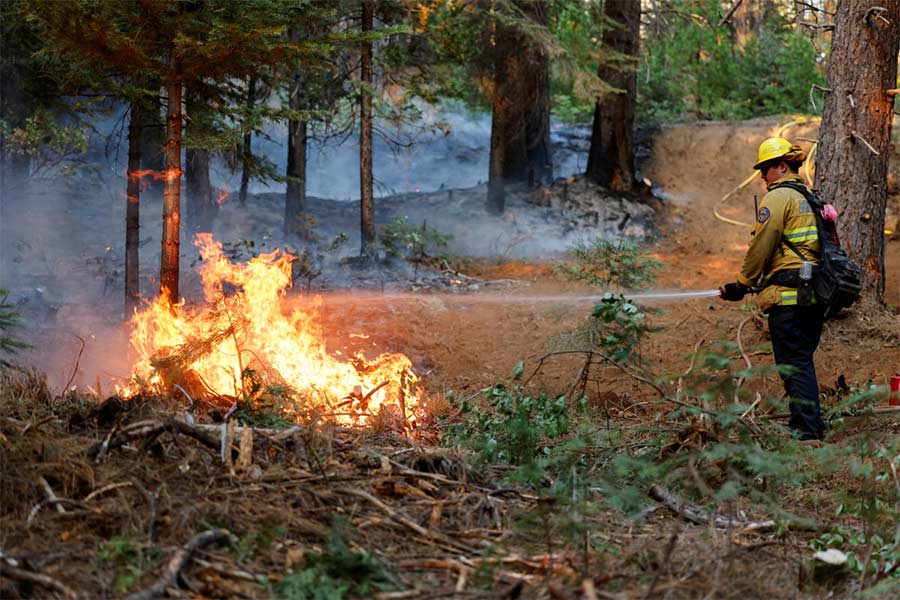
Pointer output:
x,y
106,488
51,495
10,568
177,563
404,520
236,573
75,368
694,514
548,355
632,373
154,428
33,425
152,503
393,514
104,447
56,502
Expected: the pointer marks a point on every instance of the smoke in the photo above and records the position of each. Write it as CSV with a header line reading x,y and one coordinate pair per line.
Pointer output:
x,y
448,148
62,238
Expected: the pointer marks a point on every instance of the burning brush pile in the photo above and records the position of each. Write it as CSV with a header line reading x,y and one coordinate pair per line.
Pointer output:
x,y
241,346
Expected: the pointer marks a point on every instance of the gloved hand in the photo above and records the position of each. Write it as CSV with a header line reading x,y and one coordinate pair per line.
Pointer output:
x,y
733,292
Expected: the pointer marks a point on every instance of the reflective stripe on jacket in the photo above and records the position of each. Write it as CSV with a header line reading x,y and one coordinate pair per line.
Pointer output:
x,y
783,214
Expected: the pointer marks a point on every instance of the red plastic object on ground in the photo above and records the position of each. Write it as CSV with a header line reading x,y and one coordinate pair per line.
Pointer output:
x,y
895,391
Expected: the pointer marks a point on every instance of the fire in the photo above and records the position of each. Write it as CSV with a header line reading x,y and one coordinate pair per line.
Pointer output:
x,y
169,174
241,340
223,194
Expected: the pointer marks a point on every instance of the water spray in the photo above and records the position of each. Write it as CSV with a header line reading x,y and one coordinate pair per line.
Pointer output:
x,y
495,298
674,295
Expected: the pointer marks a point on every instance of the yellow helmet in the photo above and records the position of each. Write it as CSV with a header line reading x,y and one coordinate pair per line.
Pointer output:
x,y
770,149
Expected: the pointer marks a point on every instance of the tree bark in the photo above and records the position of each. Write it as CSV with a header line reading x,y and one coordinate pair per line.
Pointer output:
x,y
295,194
520,115
168,270
537,119
153,155
366,193
855,134
132,212
247,150
611,155
201,207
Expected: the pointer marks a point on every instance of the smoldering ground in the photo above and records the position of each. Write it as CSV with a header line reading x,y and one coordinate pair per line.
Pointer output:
x,y
62,250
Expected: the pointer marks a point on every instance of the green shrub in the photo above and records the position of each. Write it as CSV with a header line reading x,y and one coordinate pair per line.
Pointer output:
x,y
337,572
402,239
511,426
618,324
772,74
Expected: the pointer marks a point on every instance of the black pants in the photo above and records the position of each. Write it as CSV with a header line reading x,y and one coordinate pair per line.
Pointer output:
x,y
795,332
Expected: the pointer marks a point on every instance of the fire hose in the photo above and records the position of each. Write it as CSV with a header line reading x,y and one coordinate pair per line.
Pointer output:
x,y
807,169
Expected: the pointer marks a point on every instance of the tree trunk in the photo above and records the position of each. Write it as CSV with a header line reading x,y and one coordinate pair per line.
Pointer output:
x,y
748,20
366,194
855,134
201,207
295,194
133,212
247,150
537,118
153,156
496,195
611,155
168,270
508,161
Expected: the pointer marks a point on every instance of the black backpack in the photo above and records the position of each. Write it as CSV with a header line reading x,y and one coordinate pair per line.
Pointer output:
x,y
837,279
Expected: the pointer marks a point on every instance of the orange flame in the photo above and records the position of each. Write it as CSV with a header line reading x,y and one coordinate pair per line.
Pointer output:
x,y
236,340
168,174
223,194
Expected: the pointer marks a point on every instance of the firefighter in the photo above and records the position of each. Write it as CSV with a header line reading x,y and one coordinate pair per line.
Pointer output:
x,y
785,231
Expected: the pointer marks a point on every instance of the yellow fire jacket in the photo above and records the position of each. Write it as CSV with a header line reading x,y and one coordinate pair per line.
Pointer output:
x,y
783,213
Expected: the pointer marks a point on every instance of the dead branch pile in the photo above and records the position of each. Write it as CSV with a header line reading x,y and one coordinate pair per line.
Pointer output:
x,y
135,499
191,494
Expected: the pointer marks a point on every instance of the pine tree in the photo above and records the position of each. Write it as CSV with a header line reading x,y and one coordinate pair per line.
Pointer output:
x,y
173,45
611,155
855,138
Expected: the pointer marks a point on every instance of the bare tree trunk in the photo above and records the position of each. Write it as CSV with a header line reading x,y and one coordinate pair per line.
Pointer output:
x,y
168,270
366,193
496,194
611,156
295,194
133,212
153,155
201,207
508,161
537,119
247,150
855,134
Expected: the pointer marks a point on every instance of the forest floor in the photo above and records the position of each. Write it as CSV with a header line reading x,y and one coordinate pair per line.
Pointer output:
x,y
319,511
